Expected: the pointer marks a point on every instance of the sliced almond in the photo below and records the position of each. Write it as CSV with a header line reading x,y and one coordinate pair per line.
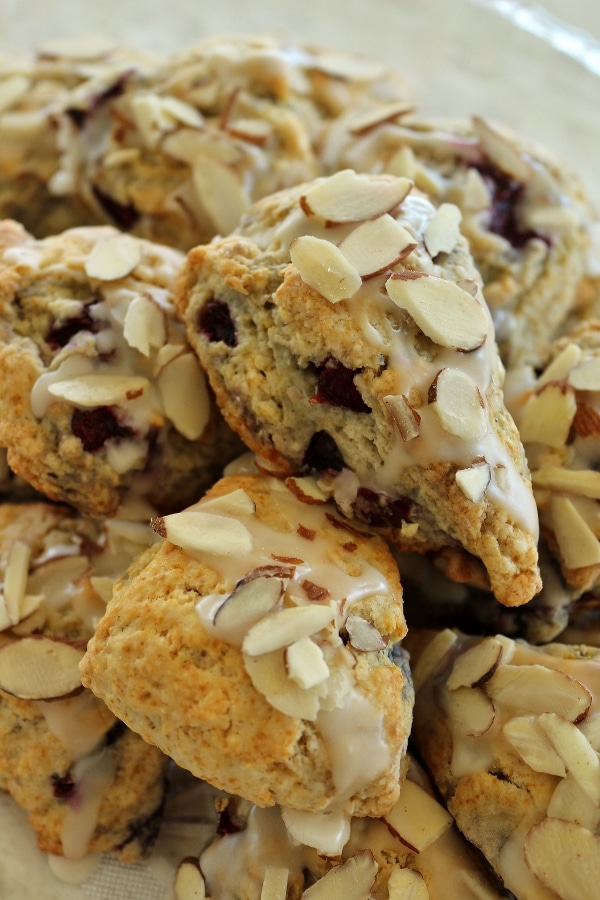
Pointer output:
x,y
233,503
565,857
99,390
417,819
537,689
40,668
388,112
250,600
377,245
327,832
305,663
12,89
324,267
443,230
576,541
455,398
586,375
144,326
575,751
221,192
470,710
254,131
474,481
284,627
406,884
586,422
502,151
189,883
54,579
194,530
561,365
274,886
15,579
547,416
184,394
585,482
349,197
363,635
571,803
114,257
351,880
306,489
533,746
591,729
476,665
269,677
432,656
405,417
446,313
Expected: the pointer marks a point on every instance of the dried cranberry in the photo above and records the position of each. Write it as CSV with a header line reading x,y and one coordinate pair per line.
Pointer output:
x,y
78,116
95,426
381,511
335,386
322,454
125,216
229,822
506,194
215,322
63,786
59,335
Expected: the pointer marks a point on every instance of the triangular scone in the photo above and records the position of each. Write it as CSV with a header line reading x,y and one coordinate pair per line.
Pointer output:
x,y
511,734
524,212
344,332
257,847
252,648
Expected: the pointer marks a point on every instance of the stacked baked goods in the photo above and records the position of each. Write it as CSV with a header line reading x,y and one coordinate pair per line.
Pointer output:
x,y
300,416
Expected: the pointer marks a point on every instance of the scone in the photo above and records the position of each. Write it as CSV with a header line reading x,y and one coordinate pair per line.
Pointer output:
x,y
257,850
102,397
510,734
252,647
173,150
87,783
343,330
524,212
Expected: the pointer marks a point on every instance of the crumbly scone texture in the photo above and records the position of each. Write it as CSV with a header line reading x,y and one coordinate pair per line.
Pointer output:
x,y
158,668
494,794
525,213
267,339
48,748
59,322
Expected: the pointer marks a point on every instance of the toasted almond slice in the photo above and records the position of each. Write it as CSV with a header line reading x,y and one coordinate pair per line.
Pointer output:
x,y
144,325
455,398
576,541
103,585
284,627
189,883
571,803
537,689
349,197
221,192
327,832
474,481
406,418
502,151
417,819
15,579
559,368
255,131
114,257
99,390
274,886
269,676
377,245
250,600
351,880
324,267
533,746
585,482
547,415
565,857
443,230
365,122
194,530
5,620
551,219
431,657
183,390
586,376
445,312
305,663
363,635
470,710
576,752
233,503
39,668
591,729
55,579
407,884
476,665
306,489
586,422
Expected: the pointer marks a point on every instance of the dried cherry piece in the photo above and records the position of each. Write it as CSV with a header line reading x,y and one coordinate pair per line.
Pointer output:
x,y
336,387
125,216
322,454
381,511
63,786
61,333
215,322
506,195
95,426
229,822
